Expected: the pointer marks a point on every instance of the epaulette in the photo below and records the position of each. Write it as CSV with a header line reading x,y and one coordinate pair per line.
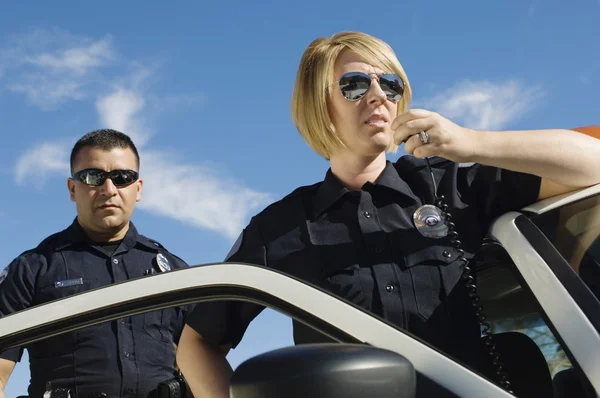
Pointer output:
x,y
156,243
292,195
43,245
303,189
160,246
26,252
297,192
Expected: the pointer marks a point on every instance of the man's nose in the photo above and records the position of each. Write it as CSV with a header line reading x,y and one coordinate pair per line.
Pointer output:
x,y
108,188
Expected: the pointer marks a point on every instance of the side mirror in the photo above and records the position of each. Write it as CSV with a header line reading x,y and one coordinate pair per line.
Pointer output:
x,y
325,371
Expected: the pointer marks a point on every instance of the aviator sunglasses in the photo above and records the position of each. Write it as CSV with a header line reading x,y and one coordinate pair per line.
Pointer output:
x,y
97,177
354,85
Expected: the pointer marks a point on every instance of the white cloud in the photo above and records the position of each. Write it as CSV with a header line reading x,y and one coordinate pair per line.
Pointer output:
x,y
41,162
47,93
78,60
119,110
485,105
51,67
60,67
197,195
194,194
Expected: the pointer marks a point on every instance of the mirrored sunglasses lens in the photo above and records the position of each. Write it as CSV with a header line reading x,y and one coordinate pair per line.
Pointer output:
x,y
122,177
93,177
354,85
392,85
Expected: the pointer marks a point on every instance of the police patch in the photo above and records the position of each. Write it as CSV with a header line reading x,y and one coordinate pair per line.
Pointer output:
x,y
3,274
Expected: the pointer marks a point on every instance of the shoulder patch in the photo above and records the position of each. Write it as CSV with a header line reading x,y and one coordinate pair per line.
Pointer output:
x,y
3,274
236,246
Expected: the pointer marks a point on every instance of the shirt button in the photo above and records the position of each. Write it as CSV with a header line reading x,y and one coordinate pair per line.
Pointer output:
x,y
389,288
126,354
115,261
378,250
367,214
447,254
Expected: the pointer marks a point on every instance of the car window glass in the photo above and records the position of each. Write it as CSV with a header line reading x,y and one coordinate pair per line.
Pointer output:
x,y
519,325
575,232
54,350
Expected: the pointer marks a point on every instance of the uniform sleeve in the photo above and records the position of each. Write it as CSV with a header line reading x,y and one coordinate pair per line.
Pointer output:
x,y
225,322
495,191
16,294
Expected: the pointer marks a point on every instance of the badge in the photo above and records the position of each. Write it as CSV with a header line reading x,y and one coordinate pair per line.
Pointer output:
x,y
163,263
430,222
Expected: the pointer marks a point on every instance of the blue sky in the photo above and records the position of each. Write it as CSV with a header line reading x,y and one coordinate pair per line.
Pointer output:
x,y
204,89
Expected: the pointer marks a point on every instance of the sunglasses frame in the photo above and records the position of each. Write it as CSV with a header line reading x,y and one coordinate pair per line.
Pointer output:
x,y
370,78
105,175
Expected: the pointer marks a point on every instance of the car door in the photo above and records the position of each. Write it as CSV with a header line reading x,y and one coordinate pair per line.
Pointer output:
x,y
330,315
552,250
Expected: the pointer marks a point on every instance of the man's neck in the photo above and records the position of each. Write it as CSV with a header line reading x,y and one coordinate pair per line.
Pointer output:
x,y
354,171
107,236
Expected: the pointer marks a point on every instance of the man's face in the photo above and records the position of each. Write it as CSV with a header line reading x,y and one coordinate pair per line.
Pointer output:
x,y
105,210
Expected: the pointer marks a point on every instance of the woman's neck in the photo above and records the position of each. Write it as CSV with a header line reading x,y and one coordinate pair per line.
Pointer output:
x,y
354,171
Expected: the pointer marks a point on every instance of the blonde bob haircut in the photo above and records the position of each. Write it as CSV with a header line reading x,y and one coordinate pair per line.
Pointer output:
x,y
315,82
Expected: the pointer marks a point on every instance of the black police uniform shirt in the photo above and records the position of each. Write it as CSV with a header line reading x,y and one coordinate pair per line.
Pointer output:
x,y
363,246
125,358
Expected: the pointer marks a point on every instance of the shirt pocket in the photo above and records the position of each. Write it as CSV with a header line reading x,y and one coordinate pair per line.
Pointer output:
x,y
54,290
159,324
351,282
434,271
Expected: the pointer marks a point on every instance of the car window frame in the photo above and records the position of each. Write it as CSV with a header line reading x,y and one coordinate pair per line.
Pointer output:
x,y
341,320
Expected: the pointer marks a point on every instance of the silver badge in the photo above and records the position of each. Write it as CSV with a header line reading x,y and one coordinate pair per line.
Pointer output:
x,y
163,263
430,222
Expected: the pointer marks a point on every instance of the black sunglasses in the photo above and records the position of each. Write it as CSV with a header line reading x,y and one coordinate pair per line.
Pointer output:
x,y
97,177
354,85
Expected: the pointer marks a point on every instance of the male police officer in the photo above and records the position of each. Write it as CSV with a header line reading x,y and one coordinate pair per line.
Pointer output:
x,y
124,358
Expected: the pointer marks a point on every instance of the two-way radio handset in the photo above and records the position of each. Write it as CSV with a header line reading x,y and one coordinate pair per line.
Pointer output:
x,y
435,221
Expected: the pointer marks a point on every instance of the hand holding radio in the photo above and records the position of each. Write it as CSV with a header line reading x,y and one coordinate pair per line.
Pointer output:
x,y
426,133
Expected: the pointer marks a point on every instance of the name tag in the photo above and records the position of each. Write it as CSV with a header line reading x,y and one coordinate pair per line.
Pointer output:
x,y
69,282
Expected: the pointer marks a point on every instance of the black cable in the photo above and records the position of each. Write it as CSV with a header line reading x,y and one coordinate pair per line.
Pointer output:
x,y
470,283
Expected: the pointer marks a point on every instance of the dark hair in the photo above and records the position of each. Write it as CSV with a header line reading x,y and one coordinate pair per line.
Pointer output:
x,y
106,140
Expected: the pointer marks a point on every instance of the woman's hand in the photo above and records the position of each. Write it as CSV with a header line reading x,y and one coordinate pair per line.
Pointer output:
x,y
445,138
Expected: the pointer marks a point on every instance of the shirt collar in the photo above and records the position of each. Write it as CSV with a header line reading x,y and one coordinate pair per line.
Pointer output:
x,y
331,189
75,234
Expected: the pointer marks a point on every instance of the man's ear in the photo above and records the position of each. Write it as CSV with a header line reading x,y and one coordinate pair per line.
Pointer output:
x,y
140,184
71,186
